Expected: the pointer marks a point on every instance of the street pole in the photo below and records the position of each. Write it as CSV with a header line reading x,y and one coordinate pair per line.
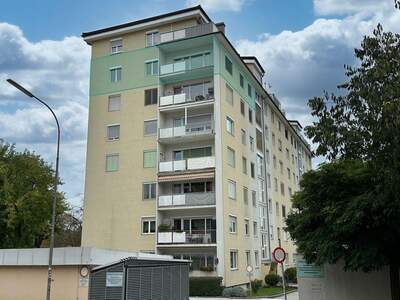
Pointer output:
x,y
54,203
283,275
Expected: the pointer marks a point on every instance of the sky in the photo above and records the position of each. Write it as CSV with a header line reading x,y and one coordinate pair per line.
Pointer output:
x,y
302,44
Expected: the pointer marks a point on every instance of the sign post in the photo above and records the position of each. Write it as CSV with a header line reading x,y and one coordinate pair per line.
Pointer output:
x,y
249,270
279,255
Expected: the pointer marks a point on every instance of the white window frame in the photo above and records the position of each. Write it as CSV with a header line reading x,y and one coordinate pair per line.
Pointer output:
x,y
256,259
232,125
234,264
231,155
114,97
144,127
151,61
150,184
246,228
153,34
117,48
115,77
233,224
233,184
148,220
112,155
110,139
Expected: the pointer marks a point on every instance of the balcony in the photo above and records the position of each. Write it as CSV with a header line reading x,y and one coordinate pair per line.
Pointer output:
x,y
187,164
193,31
188,238
185,200
193,129
183,98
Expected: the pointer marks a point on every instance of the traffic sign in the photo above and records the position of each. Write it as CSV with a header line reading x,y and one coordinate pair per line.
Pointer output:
x,y
279,255
249,269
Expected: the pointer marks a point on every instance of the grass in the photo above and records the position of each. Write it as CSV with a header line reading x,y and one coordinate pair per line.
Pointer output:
x,y
271,291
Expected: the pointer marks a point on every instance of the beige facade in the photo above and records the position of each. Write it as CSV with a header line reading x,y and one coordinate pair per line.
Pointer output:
x,y
206,191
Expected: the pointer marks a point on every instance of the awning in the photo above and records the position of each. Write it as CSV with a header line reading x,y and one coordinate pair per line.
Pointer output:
x,y
186,176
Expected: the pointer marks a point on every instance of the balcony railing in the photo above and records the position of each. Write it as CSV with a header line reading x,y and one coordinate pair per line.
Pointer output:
x,y
189,164
189,199
187,32
193,237
182,98
187,130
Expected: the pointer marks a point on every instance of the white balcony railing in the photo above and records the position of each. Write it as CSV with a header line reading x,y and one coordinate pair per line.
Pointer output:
x,y
172,99
179,66
189,164
187,130
189,199
200,237
187,32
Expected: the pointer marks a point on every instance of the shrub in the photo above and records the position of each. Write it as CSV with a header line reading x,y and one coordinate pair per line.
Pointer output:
x,y
272,279
256,285
234,292
291,275
164,228
205,286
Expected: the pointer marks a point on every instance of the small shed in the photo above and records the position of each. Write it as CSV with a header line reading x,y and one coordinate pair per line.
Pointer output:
x,y
140,279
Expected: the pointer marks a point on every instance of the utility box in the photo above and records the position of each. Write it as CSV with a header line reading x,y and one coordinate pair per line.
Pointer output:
x,y
140,279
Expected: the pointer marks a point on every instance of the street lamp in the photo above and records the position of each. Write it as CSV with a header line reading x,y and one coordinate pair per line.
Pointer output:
x,y
53,213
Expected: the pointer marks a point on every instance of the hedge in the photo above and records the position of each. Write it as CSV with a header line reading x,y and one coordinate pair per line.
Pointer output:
x,y
205,286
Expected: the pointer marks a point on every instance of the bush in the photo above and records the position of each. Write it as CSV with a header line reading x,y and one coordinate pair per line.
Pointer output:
x,y
256,285
205,286
291,275
272,279
234,292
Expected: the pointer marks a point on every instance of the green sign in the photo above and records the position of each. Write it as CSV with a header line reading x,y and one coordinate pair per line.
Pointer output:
x,y
305,270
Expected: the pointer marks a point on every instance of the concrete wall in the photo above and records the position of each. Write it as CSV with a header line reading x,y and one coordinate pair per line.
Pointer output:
x,y
336,284
22,283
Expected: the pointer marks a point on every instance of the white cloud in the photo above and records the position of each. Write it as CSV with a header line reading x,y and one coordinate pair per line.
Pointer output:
x,y
302,64
345,7
218,5
57,72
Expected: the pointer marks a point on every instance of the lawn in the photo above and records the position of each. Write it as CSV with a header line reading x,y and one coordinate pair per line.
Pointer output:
x,y
271,291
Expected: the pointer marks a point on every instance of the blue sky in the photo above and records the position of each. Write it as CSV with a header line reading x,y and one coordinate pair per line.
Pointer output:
x,y
302,44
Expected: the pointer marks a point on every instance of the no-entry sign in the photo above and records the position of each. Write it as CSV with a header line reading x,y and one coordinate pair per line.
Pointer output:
x,y
279,255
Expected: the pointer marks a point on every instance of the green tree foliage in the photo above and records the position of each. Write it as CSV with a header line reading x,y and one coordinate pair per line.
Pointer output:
x,y
349,209
26,193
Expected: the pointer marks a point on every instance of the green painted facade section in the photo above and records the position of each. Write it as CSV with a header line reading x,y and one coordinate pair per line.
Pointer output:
x,y
133,71
234,79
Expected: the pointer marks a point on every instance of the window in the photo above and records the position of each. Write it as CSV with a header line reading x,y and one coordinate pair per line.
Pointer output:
x,y
288,173
112,162
278,232
150,127
231,189
283,211
273,139
234,259
246,227
244,165
259,142
270,205
277,209
255,229
251,141
148,225
150,97
258,115
286,134
249,90
114,103
230,126
274,161
256,259
231,156
275,184
152,67
116,46
229,94
287,154
281,167
250,116
260,166
282,189
254,198
232,224
241,79
149,159
248,258
290,192
245,195
116,74
280,145
242,108
228,65
151,38
113,132
252,170
244,136
149,190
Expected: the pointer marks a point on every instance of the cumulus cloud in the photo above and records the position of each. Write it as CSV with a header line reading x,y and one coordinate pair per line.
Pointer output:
x,y
218,5
302,64
57,72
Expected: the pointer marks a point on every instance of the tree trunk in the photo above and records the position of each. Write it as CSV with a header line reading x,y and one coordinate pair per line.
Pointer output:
x,y
394,282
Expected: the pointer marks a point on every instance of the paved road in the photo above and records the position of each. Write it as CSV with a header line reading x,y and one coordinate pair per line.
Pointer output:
x,y
291,296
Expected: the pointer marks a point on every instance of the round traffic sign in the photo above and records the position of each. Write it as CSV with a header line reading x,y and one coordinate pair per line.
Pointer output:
x,y
249,269
279,254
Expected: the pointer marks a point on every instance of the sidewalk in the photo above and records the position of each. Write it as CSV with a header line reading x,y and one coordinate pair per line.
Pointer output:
x,y
291,296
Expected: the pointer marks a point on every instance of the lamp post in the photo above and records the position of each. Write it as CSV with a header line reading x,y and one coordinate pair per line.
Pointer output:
x,y
54,204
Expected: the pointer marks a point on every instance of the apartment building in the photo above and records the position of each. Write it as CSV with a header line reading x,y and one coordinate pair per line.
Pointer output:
x,y
187,154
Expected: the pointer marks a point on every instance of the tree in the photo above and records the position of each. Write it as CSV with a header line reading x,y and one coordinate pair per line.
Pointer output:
x,y
26,195
359,132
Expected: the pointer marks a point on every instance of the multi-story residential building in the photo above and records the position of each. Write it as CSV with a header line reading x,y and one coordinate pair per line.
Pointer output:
x,y
187,153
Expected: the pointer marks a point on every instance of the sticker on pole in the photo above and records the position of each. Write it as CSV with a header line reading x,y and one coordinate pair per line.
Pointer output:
x,y
279,255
